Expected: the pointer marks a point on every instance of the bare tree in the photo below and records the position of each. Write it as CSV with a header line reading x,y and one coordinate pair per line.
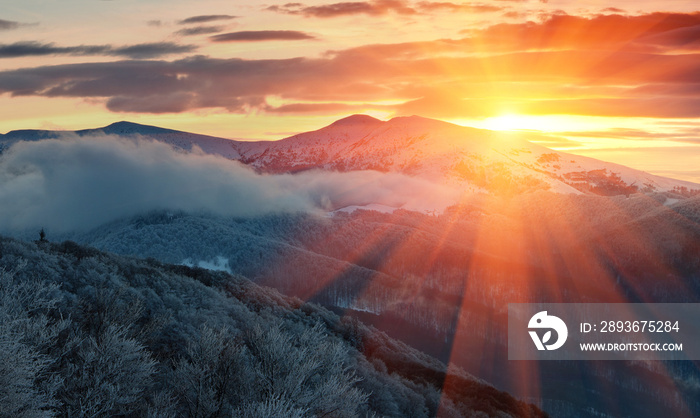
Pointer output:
x,y
106,376
26,388
212,374
307,367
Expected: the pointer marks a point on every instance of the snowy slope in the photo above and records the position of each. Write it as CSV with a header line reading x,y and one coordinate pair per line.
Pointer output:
x,y
452,154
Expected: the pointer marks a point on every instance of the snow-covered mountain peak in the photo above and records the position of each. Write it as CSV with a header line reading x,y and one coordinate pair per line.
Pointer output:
x,y
463,157
357,119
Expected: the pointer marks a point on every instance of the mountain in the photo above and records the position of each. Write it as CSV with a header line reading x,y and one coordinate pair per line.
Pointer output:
x,y
181,140
468,159
464,157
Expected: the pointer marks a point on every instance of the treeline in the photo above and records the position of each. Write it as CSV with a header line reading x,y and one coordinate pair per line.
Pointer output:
x,y
89,334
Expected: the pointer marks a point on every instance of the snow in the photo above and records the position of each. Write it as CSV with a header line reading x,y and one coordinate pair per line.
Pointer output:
x,y
372,206
219,263
437,151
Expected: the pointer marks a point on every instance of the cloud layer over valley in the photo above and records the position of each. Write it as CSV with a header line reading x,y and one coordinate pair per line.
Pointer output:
x,y
78,183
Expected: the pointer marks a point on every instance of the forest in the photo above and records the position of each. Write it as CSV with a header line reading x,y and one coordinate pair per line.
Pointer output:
x,y
86,333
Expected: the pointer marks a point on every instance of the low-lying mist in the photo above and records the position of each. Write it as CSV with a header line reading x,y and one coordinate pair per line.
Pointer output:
x,y
77,183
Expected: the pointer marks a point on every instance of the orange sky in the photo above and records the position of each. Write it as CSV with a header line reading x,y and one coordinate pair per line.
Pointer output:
x,y
613,80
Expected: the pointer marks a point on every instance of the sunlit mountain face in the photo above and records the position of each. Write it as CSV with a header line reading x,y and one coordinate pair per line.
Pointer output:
x,y
415,165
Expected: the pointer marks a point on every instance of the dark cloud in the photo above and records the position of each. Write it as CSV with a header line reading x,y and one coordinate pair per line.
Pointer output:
x,y
24,49
194,83
242,85
206,19
152,50
163,103
8,24
139,51
155,23
199,30
261,35
603,65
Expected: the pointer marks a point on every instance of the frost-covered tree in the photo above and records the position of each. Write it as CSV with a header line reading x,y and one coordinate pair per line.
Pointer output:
x,y
85,334
26,388
211,377
107,375
272,407
307,368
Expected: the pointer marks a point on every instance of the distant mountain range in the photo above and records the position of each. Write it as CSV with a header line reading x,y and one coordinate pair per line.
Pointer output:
x,y
468,158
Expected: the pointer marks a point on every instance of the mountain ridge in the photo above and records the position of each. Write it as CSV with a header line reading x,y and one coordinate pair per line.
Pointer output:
x,y
470,159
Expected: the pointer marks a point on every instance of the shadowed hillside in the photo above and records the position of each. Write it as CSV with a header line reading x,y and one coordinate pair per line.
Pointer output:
x,y
86,333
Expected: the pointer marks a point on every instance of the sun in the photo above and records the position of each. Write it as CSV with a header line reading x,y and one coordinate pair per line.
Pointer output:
x,y
543,123
513,122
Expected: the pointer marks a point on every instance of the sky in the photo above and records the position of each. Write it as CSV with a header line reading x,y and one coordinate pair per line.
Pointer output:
x,y
615,80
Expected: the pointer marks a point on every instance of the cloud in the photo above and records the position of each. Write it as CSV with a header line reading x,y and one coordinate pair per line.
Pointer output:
x,y
138,51
602,65
371,8
79,183
378,8
684,38
613,10
25,49
151,50
241,86
175,102
515,15
9,24
652,32
654,107
316,108
680,135
206,19
199,30
261,35
199,82
430,6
